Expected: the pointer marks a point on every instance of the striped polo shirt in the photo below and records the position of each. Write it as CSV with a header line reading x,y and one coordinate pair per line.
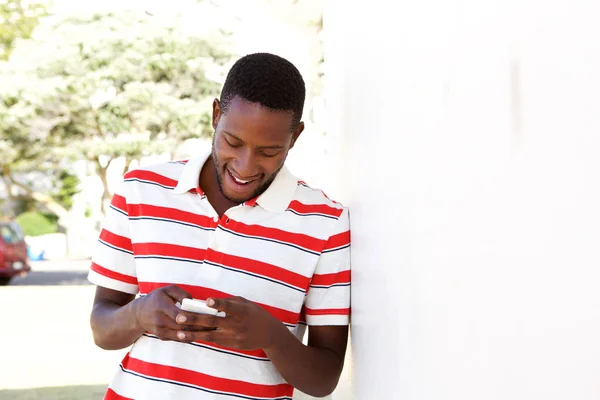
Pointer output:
x,y
288,250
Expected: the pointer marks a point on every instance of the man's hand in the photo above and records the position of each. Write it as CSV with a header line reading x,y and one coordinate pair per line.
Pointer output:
x,y
246,325
156,312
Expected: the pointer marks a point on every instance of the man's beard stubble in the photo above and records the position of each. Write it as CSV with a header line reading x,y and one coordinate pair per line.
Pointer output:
x,y
219,173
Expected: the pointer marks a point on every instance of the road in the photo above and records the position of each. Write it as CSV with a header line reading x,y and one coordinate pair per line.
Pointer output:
x,y
46,344
45,337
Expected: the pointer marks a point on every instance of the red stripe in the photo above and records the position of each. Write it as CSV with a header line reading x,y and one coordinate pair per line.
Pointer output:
x,y
119,202
205,381
146,210
202,293
132,280
254,353
314,209
151,177
331,279
112,395
327,311
113,239
297,239
168,250
260,268
339,240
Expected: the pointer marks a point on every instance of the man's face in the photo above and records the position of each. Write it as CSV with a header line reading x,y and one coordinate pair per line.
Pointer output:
x,y
250,146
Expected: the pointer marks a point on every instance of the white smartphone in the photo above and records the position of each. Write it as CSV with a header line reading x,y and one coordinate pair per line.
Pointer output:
x,y
198,307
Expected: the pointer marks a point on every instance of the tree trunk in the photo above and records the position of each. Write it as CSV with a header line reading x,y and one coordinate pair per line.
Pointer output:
x,y
127,164
8,184
46,200
106,195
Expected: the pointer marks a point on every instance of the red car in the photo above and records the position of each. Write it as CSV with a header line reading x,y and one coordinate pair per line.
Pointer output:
x,y
13,252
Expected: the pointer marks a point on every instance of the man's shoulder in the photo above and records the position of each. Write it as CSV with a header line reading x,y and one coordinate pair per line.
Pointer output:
x,y
309,199
165,174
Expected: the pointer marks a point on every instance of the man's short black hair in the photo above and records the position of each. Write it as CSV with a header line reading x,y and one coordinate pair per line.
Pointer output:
x,y
267,79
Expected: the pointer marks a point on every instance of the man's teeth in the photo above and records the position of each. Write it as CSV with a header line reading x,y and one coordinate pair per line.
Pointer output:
x,y
240,181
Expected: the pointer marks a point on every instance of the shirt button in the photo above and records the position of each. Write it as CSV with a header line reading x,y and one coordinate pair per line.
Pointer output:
x,y
216,219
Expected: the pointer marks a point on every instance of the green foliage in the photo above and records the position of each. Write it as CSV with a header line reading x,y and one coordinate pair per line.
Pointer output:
x,y
68,186
105,75
87,79
36,224
104,85
17,20
23,204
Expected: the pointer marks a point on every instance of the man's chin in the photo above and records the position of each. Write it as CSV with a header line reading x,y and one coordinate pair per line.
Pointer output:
x,y
237,197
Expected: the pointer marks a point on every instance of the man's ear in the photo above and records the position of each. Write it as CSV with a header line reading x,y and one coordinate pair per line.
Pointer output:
x,y
216,113
297,133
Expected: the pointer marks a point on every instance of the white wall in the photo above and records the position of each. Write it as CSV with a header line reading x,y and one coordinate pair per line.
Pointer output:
x,y
470,132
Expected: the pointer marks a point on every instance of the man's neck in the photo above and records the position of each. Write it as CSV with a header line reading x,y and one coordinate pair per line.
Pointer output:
x,y
209,184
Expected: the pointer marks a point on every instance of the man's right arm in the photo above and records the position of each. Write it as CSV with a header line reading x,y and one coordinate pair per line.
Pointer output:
x,y
118,319
113,319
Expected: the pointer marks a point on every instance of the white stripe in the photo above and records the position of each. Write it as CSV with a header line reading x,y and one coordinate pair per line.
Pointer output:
x,y
112,259
148,231
116,223
258,275
334,297
326,320
110,283
206,361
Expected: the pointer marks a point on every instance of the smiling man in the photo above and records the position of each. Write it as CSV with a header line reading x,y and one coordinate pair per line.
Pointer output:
x,y
237,229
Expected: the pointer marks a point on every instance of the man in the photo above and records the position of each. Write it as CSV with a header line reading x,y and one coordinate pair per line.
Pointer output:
x,y
236,229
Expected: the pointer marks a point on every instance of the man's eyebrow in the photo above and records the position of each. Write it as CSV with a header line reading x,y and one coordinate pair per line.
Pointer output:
x,y
275,147
232,135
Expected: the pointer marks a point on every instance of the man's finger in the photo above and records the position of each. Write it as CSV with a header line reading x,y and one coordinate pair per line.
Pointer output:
x,y
201,320
167,334
231,306
165,321
176,293
218,336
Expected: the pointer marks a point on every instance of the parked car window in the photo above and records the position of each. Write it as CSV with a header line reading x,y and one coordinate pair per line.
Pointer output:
x,y
8,234
18,232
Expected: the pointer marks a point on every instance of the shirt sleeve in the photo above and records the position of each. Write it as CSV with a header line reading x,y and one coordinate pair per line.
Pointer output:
x,y
328,297
113,264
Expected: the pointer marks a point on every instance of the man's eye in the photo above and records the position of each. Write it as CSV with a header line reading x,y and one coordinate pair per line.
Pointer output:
x,y
269,154
231,144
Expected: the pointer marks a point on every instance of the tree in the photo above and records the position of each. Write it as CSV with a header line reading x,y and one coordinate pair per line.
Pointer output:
x,y
17,20
108,85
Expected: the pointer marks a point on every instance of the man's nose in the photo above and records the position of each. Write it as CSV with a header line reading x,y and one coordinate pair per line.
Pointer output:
x,y
246,164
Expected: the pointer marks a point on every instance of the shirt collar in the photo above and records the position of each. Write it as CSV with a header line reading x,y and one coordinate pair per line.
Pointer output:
x,y
280,192
190,176
276,198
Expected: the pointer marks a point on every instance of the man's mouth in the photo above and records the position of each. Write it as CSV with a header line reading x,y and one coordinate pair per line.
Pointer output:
x,y
238,180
